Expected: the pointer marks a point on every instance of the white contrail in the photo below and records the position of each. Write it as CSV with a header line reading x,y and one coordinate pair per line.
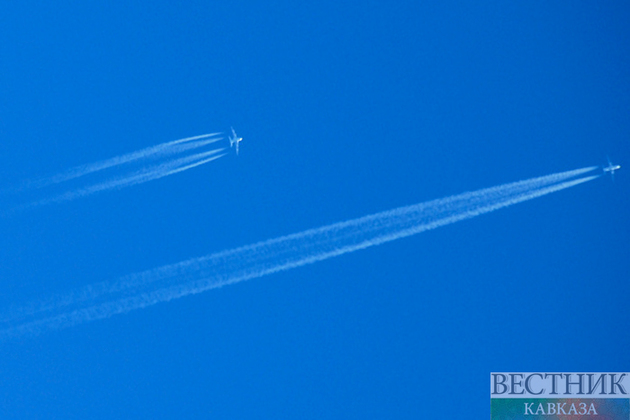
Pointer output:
x,y
138,177
160,150
166,283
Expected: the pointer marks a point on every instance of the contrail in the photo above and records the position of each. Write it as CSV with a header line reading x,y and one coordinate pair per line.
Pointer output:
x,y
194,276
160,150
141,176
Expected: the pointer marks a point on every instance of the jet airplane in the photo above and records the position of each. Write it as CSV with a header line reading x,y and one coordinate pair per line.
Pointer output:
x,y
611,168
235,140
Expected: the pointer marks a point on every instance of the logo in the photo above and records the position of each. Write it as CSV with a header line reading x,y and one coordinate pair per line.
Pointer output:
x,y
555,395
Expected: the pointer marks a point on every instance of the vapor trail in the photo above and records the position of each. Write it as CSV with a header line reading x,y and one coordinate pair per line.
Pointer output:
x,y
161,150
138,177
170,282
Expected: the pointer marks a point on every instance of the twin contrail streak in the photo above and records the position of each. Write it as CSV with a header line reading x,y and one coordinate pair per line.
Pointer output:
x,y
194,276
157,162
160,150
141,176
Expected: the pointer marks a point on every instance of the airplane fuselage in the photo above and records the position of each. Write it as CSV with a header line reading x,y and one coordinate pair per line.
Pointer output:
x,y
612,168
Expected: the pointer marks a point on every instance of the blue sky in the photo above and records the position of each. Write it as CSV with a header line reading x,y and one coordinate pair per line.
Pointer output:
x,y
345,109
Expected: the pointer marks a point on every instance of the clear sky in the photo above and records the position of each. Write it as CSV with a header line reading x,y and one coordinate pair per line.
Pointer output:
x,y
346,109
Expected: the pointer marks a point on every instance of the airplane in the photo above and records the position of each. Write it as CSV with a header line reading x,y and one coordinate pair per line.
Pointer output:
x,y
234,139
611,168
